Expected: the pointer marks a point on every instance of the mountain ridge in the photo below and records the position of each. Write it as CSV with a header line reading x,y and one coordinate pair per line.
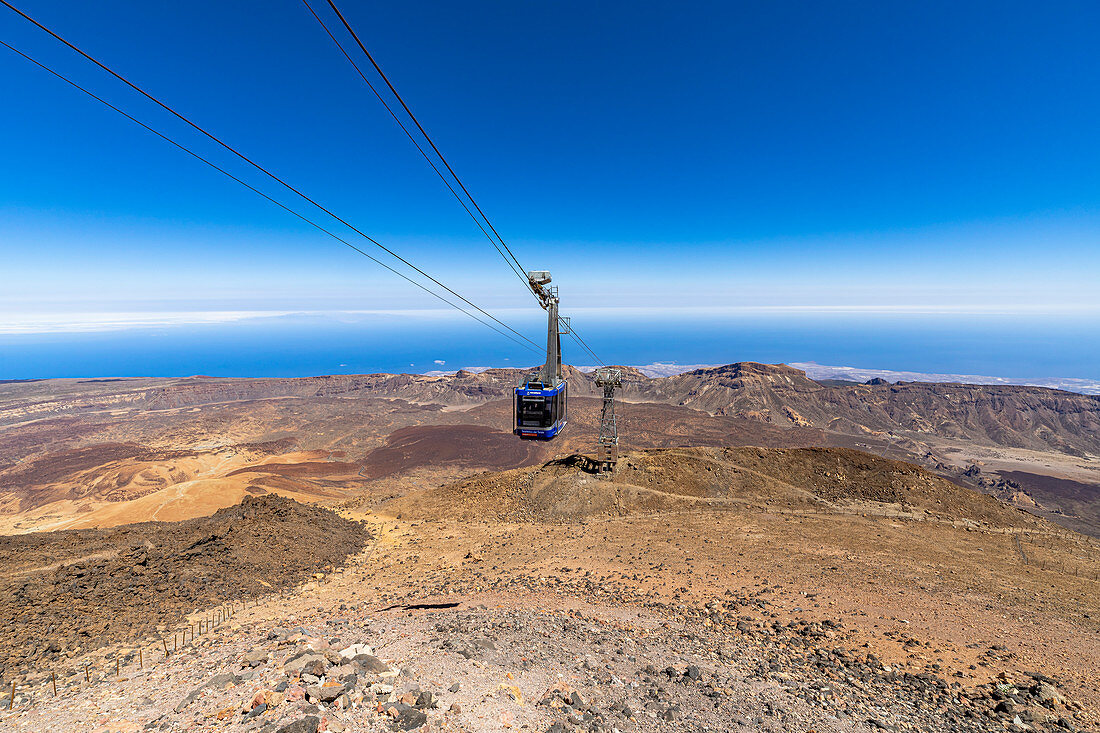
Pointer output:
x,y
1016,416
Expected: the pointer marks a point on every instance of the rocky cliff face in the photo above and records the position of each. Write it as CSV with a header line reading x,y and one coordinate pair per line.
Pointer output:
x,y
1024,417
746,389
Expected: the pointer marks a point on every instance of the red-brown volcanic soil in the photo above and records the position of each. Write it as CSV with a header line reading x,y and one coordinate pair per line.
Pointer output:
x,y
451,445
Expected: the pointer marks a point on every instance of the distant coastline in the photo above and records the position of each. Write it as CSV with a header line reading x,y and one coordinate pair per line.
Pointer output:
x,y
858,374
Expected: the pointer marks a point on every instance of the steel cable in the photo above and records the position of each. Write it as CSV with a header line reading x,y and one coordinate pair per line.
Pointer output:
x,y
260,168
286,208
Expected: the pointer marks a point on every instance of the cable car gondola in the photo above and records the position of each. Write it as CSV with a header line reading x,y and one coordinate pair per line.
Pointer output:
x,y
541,407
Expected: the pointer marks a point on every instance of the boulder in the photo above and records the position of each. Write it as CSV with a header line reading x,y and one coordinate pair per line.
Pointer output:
x,y
370,664
256,658
327,692
308,724
297,663
355,650
1047,695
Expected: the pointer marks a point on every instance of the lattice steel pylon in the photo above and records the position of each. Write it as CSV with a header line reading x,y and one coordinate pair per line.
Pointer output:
x,y
608,444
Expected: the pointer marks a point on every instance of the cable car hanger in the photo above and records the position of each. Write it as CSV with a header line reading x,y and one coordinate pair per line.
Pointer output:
x,y
541,407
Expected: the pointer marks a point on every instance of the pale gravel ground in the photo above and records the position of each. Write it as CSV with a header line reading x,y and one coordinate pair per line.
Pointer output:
x,y
538,636
563,652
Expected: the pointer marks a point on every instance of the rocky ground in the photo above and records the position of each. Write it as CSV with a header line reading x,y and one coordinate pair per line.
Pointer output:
x,y
694,589
391,641
65,593
477,668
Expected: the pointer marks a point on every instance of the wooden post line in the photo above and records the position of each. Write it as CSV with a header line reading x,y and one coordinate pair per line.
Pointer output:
x,y
214,618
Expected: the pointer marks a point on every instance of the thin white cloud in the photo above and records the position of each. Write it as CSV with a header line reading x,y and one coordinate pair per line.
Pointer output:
x,y
22,322
87,322
84,322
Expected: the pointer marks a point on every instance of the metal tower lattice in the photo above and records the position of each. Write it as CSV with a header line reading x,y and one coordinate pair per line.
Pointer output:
x,y
608,444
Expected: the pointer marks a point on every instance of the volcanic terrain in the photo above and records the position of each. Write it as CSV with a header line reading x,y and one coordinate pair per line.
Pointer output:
x,y
770,553
87,453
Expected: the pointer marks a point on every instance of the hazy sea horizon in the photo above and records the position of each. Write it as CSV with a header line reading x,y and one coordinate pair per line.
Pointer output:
x,y
1013,346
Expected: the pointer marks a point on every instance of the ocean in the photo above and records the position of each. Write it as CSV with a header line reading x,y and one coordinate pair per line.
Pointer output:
x,y
302,345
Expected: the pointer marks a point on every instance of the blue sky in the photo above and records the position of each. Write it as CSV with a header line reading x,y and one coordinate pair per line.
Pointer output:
x,y
933,157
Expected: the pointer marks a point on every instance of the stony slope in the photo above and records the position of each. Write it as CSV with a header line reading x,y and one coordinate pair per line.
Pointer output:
x,y
800,608
1025,417
798,480
64,593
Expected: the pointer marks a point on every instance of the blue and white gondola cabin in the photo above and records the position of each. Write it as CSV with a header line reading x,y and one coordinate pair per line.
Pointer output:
x,y
541,407
541,410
